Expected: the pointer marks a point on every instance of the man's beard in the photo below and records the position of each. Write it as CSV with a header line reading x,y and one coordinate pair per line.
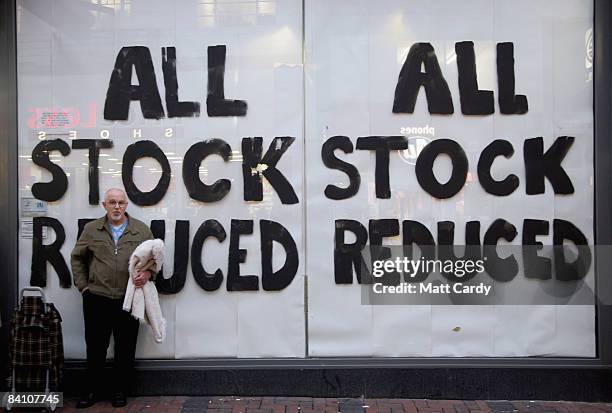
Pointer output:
x,y
116,216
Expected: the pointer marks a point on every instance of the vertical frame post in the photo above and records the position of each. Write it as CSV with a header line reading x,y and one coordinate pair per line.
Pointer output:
x,y
602,102
8,169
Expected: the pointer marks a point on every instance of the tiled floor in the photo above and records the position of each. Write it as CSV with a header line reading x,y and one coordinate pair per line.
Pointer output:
x,y
237,404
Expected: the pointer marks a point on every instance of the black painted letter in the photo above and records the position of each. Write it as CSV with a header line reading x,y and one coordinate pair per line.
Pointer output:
x,y
473,101
175,108
206,280
348,256
271,231
197,189
498,147
176,281
534,265
578,268
216,104
540,164
382,145
54,190
413,232
379,230
331,161
94,146
144,149
447,247
235,281
424,168
121,91
439,100
254,166
500,269
42,253
509,103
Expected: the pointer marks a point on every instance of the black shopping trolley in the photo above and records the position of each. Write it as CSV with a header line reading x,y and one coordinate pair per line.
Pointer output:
x,y
36,349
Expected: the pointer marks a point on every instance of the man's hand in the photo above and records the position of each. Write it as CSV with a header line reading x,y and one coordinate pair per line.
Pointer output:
x,y
84,289
141,278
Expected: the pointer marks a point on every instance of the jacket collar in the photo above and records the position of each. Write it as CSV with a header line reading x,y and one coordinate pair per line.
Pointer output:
x,y
101,224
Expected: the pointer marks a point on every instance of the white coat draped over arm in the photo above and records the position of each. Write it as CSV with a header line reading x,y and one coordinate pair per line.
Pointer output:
x,y
143,303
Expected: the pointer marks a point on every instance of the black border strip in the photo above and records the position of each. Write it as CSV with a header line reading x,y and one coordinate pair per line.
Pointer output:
x,y
603,232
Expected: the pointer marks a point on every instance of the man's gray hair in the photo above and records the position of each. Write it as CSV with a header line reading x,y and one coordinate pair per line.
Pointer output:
x,y
113,190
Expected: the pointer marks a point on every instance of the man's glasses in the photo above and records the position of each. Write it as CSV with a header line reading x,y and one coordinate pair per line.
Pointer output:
x,y
120,204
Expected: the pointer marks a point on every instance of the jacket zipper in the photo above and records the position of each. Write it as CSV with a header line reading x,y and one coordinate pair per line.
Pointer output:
x,y
115,286
116,252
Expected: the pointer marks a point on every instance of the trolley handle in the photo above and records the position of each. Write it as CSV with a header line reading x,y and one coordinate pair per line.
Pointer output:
x,y
34,289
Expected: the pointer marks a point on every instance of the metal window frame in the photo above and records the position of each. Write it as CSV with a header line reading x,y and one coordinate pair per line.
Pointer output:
x,y
8,171
602,100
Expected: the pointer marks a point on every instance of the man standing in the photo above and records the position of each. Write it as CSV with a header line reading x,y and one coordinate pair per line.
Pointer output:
x,y
100,269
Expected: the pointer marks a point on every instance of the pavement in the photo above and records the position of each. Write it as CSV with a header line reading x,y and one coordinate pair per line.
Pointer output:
x,y
237,404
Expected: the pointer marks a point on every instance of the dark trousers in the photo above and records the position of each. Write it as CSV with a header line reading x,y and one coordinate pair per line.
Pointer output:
x,y
104,316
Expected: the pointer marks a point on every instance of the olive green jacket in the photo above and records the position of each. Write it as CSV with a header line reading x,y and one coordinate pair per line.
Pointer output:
x,y
99,265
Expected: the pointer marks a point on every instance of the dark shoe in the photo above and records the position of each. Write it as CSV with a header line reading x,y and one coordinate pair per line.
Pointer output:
x,y
86,400
119,400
